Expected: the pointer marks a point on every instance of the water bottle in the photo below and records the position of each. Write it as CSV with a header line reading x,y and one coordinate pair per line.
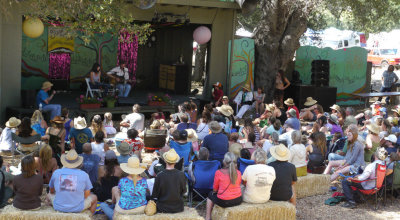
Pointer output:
x,y
40,107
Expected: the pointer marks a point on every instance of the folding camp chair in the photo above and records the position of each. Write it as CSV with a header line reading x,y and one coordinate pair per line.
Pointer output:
x,y
243,163
379,188
396,179
183,150
90,90
203,171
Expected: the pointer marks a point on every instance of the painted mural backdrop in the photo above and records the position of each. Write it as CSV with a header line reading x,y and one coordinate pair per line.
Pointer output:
x,y
348,69
242,65
35,58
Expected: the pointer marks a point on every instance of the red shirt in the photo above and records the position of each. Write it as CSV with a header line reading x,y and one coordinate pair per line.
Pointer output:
x,y
218,94
226,190
295,108
136,144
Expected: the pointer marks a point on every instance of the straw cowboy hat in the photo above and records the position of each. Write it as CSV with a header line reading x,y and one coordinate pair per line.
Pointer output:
x,y
124,148
46,85
335,107
58,120
310,101
247,87
215,127
225,110
13,122
133,166
192,135
374,128
80,123
71,159
292,113
280,152
289,102
334,118
270,107
225,97
171,156
396,110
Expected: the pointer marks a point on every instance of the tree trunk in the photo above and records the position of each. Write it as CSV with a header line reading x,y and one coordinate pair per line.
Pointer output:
x,y
199,63
277,39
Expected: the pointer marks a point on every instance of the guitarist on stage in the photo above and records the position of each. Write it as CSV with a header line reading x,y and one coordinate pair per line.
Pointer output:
x,y
121,76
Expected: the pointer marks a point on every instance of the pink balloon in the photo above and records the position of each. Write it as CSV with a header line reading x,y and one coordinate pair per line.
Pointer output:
x,y
202,35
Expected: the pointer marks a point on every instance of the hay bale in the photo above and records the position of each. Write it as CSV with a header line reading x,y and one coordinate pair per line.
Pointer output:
x,y
272,210
187,214
312,184
45,213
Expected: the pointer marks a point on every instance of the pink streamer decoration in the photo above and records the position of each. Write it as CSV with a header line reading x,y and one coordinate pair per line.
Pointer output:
x,y
127,51
59,65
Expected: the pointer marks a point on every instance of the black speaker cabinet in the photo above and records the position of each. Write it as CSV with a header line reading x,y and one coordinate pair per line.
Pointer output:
x,y
326,96
28,98
320,72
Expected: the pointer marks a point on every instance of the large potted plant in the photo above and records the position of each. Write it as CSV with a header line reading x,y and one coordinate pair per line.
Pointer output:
x,y
158,99
89,103
110,101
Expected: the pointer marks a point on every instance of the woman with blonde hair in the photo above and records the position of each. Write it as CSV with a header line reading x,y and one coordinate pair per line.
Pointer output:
x,y
108,124
46,164
155,125
38,123
226,191
97,125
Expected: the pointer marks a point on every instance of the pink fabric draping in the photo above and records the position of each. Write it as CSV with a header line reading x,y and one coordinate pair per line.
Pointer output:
x,y
127,51
59,65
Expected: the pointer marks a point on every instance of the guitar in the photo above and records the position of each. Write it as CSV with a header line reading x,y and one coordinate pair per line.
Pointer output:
x,y
119,79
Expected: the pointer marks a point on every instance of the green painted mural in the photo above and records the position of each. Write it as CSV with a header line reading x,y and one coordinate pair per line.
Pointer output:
x,y
35,58
348,69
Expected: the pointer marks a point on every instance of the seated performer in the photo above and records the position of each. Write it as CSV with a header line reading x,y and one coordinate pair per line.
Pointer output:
x,y
43,100
121,76
244,100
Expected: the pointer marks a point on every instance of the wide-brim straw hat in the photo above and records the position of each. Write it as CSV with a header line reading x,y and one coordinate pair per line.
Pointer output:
x,y
334,118
225,97
124,148
133,166
310,101
58,120
80,123
225,110
247,87
171,156
335,107
374,128
46,85
215,127
71,159
270,107
396,110
280,152
292,113
13,122
192,135
289,102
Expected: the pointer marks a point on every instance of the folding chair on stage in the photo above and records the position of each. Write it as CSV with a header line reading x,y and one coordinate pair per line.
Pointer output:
x,y
90,90
379,190
243,163
203,171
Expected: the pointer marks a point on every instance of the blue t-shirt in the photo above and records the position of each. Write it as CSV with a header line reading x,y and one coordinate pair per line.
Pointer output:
x,y
123,158
293,122
70,186
217,145
183,126
91,166
40,97
81,137
132,196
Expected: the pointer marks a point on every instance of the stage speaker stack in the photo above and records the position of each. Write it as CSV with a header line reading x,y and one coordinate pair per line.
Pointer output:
x,y
320,73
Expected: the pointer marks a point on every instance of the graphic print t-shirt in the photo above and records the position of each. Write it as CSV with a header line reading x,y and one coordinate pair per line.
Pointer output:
x,y
81,137
70,186
259,178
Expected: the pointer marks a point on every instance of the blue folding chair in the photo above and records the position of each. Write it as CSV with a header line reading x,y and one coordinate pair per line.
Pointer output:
x,y
183,150
243,163
204,172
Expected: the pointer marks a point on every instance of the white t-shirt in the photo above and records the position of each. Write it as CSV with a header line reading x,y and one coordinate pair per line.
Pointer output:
x,y
259,178
266,146
287,137
135,120
98,149
298,155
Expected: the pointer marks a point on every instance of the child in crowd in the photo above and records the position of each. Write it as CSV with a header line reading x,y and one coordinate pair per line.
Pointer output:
x,y
108,124
38,123
99,147
125,150
90,163
134,141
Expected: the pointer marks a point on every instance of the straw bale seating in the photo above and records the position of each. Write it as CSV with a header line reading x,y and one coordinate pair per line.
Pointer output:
x,y
312,184
45,213
272,210
187,214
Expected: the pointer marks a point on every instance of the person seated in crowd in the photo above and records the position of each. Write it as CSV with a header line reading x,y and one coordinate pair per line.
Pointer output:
x,y
365,118
6,142
90,163
134,120
308,114
97,125
316,151
193,111
298,154
292,120
99,147
68,124
6,179
393,158
275,126
155,125
290,104
287,136
258,103
181,145
251,142
248,128
56,137
333,124
43,100
225,100
38,123
369,173
216,142
158,115
95,79
46,164
121,76
226,112
185,124
386,129
335,109
202,128
26,136
108,124
245,154
372,141
258,179
125,151
390,142
203,155
323,124
70,187
169,186
272,141
233,138
244,100
354,156
226,190
217,94
264,119
285,172
340,153
80,134
350,117
192,137
134,141
279,111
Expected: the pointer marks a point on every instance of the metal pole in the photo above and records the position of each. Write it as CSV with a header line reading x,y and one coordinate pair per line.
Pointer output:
x,y
228,78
